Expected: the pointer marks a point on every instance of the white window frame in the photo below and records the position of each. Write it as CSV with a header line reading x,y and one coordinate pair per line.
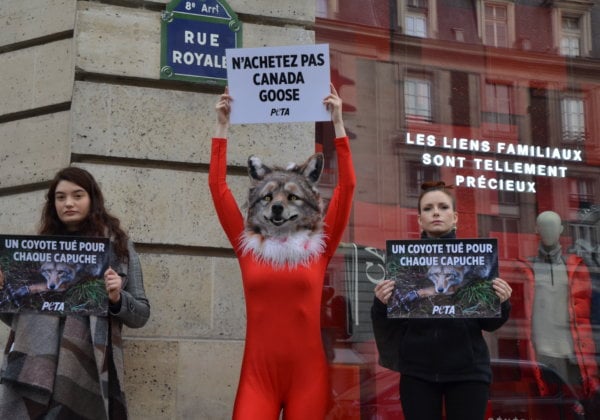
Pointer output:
x,y
509,103
493,125
424,89
582,187
571,40
572,119
414,18
510,19
403,12
565,9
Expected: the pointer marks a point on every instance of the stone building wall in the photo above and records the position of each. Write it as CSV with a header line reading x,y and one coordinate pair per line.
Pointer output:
x,y
80,86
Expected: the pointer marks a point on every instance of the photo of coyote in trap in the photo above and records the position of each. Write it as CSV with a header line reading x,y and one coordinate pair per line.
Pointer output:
x,y
446,279
59,275
443,278
54,275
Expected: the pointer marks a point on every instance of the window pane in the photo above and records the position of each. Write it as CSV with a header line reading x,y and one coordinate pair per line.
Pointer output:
x,y
496,25
418,99
570,43
573,120
416,26
508,128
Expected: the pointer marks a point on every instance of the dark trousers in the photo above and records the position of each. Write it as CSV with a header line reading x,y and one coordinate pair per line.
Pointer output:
x,y
424,400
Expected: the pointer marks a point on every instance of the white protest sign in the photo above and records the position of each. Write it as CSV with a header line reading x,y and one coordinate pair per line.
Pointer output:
x,y
278,84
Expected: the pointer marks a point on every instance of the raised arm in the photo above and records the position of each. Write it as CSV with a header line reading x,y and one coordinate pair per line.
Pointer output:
x,y
338,212
223,108
227,209
333,102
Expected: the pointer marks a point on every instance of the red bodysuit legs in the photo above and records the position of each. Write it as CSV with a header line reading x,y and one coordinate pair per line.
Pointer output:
x,y
284,364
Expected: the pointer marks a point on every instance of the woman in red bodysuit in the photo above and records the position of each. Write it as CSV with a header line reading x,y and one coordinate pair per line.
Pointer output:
x,y
284,365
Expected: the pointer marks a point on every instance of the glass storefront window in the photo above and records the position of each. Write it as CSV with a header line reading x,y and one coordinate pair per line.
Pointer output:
x,y
498,98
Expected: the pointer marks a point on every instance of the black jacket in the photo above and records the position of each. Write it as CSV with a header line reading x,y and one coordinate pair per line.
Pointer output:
x,y
437,350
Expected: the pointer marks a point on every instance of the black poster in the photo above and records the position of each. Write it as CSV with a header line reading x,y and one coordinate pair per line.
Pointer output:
x,y
443,278
54,274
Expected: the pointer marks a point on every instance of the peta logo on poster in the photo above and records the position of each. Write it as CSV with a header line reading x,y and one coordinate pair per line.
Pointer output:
x,y
278,84
53,306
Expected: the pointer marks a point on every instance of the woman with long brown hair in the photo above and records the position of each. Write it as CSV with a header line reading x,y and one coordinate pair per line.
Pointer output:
x,y
72,366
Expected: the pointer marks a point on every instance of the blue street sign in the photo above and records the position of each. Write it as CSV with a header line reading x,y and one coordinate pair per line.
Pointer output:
x,y
195,35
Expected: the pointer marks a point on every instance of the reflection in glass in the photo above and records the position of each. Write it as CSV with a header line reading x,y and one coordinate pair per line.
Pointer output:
x,y
510,73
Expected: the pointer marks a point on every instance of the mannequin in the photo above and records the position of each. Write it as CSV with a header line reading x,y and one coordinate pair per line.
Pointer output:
x,y
558,302
549,227
550,322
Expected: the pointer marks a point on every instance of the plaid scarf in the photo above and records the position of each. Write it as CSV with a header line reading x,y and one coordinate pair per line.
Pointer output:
x,y
60,367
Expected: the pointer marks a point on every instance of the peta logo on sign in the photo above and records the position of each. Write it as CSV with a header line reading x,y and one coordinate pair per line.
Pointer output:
x,y
53,306
443,310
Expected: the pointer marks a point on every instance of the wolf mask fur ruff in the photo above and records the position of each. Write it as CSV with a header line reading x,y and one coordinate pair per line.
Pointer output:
x,y
284,224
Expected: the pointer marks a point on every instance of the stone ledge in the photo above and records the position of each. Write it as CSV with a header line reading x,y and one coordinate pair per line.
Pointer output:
x,y
181,379
164,206
37,147
193,297
133,122
36,77
26,20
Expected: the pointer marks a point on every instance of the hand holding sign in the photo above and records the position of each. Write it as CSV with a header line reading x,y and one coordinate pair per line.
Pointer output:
x,y
502,289
223,108
333,104
114,283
